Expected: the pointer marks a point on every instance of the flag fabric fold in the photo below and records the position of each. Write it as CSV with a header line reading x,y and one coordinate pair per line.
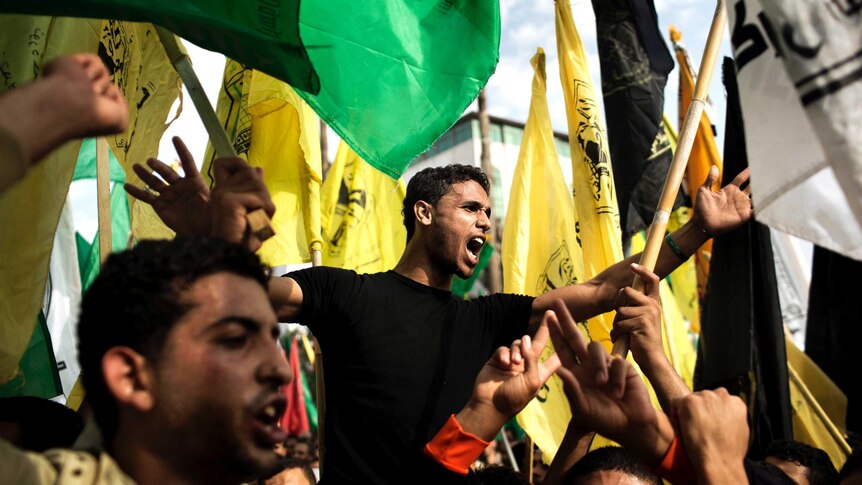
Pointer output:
x,y
635,63
539,247
396,75
30,211
361,207
264,35
272,128
295,418
704,151
802,174
596,214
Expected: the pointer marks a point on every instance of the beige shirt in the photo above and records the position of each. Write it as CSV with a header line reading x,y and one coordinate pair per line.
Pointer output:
x,y
59,466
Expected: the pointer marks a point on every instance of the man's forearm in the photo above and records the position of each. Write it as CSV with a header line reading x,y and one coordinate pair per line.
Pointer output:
x,y
576,444
668,385
688,238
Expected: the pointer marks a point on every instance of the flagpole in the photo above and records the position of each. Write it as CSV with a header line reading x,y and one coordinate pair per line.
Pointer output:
x,y
257,220
655,236
819,412
103,198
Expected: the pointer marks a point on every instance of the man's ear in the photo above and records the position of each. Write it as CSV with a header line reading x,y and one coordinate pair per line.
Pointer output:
x,y
424,212
129,378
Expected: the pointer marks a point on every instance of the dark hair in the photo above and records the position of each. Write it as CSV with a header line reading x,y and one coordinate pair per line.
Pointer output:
x,y
286,464
611,458
852,465
820,469
43,424
138,297
499,475
433,183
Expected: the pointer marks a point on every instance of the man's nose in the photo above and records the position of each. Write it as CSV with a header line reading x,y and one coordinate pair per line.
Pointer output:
x,y
276,369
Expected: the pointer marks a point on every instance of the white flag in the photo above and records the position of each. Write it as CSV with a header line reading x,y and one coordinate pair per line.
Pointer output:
x,y
802,109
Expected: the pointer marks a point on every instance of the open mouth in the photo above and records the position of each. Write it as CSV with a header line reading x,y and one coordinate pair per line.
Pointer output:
x,y
265,423
474,248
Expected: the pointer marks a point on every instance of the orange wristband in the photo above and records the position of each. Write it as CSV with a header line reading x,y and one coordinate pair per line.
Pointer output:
x,y
455,449
675,466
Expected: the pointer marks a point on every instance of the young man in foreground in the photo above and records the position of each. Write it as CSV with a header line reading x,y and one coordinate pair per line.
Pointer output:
x,y
177,343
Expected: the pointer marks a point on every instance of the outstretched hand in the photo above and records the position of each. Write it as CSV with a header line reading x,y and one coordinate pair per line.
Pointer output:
x,y
605,392
507,383
182,202
718,212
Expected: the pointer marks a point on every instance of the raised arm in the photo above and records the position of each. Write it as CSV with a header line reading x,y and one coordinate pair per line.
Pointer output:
x,y
504,386
73,99
606,393
639,316
715,213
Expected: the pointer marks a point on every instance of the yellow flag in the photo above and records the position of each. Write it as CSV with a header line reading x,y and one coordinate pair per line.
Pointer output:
x,y
271,127
540,251
704,152
818,406
30,210
596,213
362,229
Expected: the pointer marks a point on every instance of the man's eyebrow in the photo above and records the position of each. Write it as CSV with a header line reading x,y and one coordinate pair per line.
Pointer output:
x,y
246,322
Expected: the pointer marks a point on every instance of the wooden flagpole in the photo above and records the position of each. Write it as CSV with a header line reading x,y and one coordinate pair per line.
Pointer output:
x,y
257,220
103,198
655,237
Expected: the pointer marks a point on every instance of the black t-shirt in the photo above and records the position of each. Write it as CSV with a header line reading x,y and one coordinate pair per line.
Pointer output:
x,y
399,357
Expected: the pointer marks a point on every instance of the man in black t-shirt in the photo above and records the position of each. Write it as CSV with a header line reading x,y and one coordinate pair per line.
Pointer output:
x,y
401,350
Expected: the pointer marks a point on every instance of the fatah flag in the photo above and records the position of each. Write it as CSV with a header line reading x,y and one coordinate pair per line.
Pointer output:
x,y
540,250
271,127
361,215
635,64
799,80
596,215
30,211
263,34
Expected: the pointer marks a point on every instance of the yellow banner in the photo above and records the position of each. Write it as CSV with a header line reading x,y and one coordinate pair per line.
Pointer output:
x,y
361,207
271,127
540,251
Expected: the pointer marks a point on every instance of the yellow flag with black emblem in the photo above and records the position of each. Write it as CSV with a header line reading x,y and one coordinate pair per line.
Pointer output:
x,y
30,210
360,206
539,248
271,127
596,213
140,67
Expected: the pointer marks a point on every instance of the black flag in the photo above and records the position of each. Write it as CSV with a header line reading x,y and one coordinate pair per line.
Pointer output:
x,y
742,333
635,64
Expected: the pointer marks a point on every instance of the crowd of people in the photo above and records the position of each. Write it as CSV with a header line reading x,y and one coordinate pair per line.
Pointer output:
x,y
178,344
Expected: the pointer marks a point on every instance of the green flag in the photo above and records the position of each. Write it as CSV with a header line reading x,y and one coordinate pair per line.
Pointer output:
x,y
262,34
37,371
395,75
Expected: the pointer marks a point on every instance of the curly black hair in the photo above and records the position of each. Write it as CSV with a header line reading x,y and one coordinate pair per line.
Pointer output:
x,y
433,183
138,297
820,469
611,458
